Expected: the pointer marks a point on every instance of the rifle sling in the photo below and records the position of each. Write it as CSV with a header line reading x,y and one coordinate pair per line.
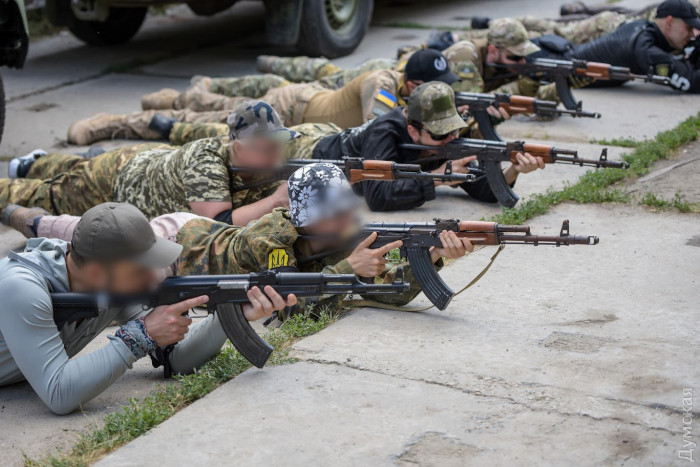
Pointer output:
x,y
384,306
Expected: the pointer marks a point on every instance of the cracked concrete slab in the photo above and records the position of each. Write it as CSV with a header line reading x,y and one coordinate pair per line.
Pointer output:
x,y
555,347
335,415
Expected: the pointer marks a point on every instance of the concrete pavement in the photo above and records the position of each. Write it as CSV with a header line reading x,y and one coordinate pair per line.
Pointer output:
x,y
587,363
558,356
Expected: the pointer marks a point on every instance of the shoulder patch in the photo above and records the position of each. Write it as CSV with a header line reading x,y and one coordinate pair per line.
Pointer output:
x,y
277,258
386,98
662,69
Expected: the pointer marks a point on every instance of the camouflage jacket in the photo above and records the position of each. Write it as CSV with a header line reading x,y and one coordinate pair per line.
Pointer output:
x,y
164,180
467,59
269,243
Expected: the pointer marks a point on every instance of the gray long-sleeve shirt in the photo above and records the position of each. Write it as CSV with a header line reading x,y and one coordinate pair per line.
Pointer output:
x,y
32,348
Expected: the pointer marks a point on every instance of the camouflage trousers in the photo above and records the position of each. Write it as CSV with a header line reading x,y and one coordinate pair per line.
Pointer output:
x,y
183,133
306,69
133,126
67,184
303,146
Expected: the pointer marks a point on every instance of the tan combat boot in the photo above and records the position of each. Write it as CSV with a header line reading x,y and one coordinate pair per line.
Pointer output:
x,y
159,100
100,127
22,219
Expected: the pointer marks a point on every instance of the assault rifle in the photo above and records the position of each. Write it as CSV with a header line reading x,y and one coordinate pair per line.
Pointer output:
x,y
490,154
560,72
224,293
356,170
514,105
419,237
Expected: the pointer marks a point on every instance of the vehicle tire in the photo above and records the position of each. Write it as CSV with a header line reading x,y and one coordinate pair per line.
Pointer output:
x,y
121,25
333,28
2,108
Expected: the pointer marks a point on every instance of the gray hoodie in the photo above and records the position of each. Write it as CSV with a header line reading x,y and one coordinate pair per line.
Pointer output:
x,y
32,348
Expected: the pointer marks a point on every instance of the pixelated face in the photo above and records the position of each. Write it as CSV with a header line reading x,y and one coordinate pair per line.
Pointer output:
x,y
258,152
120,278
338,229
678,33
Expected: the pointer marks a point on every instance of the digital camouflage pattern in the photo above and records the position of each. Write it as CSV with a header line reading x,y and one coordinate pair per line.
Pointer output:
x,y
310,134
156,178
169,179
257,119
433,106
211,247
183,133
511,35
133,126
78,183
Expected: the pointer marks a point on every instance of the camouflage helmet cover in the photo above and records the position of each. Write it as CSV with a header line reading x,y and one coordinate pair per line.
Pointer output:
x,y
255,118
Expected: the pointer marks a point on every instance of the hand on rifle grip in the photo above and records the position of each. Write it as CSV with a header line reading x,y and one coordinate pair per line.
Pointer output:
x,y
264,304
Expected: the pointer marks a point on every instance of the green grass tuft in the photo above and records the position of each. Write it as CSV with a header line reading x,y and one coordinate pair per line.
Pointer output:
x,y
678,202
620,142
595,186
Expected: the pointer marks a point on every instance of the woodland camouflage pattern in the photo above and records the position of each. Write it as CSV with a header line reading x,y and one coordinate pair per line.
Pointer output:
x,y
577,31
510,34
212,247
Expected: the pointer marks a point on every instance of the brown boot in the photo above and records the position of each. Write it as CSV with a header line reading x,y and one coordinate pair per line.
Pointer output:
x,y
22,219
100,127
159,100
575,8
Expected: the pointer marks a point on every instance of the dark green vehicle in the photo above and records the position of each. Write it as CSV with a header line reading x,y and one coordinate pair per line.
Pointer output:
x,y
331,28
14,42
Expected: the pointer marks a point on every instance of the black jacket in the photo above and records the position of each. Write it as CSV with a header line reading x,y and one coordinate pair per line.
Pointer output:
x,y
379,139
641,47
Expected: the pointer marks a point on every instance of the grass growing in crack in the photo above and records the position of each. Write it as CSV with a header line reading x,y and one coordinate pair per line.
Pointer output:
x,y
141,415
678,202
620,142
595,187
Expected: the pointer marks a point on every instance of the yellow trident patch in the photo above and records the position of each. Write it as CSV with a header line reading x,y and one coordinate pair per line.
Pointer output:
x,y
277,258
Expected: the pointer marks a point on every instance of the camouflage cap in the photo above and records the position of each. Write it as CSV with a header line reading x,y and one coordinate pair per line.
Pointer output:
x,y
433,106
255,118
511,35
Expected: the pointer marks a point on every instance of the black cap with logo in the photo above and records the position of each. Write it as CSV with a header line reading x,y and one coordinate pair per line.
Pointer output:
x,y
119,231
681,9
429,65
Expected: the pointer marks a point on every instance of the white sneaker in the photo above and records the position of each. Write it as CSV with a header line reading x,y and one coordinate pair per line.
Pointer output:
x,y
19,166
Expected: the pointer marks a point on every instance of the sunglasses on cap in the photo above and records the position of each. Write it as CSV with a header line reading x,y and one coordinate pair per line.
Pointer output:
x,y
435,137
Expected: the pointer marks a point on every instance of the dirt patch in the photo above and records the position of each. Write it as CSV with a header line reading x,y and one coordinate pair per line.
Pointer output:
x,y
41,107
573,342
604,319
679,174
694,241
437,449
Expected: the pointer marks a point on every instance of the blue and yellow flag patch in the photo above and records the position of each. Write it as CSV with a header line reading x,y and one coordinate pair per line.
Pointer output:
x,y
386,98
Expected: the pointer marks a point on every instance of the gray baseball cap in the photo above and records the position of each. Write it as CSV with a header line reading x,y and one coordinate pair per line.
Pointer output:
x,y
119,231
255,118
